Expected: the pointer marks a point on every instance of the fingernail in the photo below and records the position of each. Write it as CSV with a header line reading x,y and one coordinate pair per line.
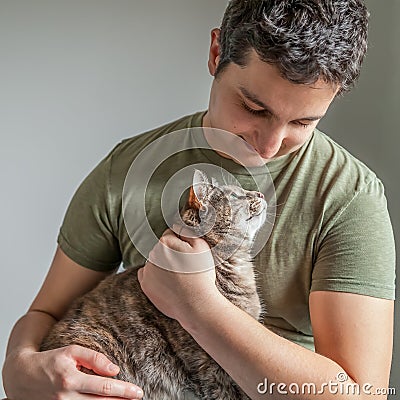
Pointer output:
x,y
113,368
138,393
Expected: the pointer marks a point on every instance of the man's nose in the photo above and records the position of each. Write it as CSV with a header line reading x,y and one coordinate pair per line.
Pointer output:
x,y
269,140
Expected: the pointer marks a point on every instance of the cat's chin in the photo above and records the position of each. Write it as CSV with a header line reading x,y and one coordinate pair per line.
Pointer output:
x,y
256,222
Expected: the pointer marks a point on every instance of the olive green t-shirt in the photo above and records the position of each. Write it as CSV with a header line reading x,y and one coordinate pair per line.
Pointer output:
x,y
332,230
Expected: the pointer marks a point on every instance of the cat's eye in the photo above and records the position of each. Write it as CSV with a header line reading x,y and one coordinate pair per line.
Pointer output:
x,y
236,196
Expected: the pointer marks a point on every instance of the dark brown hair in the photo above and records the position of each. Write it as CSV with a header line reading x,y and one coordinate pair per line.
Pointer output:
x,y
305,39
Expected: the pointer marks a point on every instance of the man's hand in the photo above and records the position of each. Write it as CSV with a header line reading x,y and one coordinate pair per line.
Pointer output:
x,y
175,294
55,374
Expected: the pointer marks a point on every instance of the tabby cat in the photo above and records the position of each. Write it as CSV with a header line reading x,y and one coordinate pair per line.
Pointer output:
x,y
152,350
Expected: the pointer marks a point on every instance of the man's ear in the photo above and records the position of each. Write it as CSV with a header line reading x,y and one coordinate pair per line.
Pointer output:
x,y
214,54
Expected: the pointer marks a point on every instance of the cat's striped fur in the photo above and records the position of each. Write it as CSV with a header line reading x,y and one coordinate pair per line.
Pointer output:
x,y
152,350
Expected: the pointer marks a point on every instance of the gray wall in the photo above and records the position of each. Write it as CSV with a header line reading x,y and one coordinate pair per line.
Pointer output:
x,y
77,76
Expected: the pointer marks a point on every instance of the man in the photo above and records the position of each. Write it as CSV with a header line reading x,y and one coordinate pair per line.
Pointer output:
x,y
327,271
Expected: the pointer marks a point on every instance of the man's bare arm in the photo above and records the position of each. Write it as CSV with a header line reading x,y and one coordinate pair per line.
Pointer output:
x,y
30,374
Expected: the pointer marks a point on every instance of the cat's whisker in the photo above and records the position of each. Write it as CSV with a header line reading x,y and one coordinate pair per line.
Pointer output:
x,y
269,222
276,205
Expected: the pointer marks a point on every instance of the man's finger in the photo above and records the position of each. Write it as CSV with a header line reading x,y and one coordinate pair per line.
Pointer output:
x,y
191,237
140,274
184,233
93,360
109,387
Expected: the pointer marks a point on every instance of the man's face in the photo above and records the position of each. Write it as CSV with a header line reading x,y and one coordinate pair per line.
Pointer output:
x,y
273,115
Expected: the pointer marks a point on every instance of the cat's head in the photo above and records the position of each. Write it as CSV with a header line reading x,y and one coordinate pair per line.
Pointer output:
x,y
226,216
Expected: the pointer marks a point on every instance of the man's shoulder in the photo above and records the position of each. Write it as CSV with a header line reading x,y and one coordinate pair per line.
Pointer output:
x,y
131,146
121,157
338,162
127,150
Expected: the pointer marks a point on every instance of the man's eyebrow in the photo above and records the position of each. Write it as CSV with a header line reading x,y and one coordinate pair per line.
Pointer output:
x,y
252,97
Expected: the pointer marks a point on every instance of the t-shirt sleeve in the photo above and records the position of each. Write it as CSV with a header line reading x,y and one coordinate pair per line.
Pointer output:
x,y
87,234
357,254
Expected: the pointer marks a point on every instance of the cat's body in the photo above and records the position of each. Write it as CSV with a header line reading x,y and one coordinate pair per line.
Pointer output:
x,y
152,350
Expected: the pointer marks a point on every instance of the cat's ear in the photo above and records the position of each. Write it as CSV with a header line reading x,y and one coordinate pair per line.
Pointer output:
x,y
199,189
